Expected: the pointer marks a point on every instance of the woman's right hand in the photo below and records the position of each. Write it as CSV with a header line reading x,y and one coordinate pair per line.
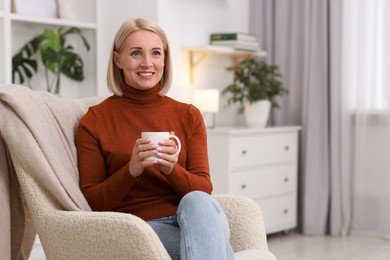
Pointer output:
x,y
142,149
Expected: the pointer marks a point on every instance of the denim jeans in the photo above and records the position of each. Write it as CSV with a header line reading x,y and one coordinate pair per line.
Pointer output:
x,y
198,231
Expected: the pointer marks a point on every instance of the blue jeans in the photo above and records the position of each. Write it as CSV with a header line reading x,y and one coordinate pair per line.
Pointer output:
x,y
198,231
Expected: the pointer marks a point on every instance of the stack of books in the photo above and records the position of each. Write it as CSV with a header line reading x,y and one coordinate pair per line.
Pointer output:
x,y
237,40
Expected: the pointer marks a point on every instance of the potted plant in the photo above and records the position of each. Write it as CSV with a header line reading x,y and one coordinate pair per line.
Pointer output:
x,y
255,85
56,55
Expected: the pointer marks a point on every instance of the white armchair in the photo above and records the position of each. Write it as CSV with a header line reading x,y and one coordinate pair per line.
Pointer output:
x,y
81,234
110,235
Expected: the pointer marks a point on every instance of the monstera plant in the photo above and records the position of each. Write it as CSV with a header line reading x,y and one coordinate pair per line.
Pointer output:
x,y
57,56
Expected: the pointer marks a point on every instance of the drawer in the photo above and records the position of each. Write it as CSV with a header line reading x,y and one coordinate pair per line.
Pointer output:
x,y
264,181
262,149
279,212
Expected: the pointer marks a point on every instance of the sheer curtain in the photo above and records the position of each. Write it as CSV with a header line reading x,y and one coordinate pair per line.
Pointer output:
x,y
366,89
335,58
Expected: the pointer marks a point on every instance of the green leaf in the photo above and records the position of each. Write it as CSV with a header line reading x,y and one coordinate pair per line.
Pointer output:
x,y
57,57
73,67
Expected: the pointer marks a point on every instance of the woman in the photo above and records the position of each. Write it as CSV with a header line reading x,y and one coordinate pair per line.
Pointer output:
x,y
171,193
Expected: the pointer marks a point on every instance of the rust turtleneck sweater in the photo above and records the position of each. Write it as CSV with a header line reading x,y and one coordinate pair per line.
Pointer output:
x,y
106,137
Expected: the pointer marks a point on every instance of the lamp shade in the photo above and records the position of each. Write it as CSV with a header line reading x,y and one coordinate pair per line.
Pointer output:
x,y
207,100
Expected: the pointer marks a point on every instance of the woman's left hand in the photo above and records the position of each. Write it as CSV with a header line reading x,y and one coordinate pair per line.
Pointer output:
x,y
166,158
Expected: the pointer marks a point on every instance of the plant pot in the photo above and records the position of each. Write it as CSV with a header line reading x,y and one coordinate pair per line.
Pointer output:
x,y
257,113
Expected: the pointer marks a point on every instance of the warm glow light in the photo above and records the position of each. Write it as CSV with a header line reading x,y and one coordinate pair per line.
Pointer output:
x,y
207,100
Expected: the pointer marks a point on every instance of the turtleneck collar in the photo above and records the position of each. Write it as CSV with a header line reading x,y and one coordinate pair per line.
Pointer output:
x,y
141,96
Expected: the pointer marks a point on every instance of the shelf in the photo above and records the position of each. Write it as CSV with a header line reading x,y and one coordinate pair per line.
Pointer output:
x,y
202,53
211,49
17,28
52,21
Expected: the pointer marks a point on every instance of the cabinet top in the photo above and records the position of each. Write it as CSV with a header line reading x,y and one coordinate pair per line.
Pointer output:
x,y
231,130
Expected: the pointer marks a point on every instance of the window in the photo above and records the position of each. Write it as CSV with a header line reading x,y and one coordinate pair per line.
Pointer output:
x,y
364,55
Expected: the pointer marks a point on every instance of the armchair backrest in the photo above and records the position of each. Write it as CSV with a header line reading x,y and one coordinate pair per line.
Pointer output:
x,y
85,103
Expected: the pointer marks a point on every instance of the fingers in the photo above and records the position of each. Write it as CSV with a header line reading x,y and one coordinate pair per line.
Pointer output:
x,y
167,162
167,147
141,150
164,152
166,158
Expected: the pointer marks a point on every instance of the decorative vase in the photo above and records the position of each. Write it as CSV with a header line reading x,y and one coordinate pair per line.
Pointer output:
x,y
257,113
67,9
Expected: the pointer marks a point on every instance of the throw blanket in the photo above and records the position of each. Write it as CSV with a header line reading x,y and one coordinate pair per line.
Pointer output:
x,y
38,129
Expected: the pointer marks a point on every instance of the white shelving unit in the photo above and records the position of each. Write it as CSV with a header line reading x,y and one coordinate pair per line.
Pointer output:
x,y
16,29
197,54
2,40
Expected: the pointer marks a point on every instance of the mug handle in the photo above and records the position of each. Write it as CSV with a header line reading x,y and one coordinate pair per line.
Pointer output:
x,y
178,144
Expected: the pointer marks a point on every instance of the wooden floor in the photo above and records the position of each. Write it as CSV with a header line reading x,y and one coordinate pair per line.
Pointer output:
x,y
295,246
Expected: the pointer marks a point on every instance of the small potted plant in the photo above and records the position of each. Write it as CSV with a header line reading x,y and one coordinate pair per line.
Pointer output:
x,y
255,84
56,55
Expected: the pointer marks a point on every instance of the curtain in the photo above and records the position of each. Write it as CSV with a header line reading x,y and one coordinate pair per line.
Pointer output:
x,y
295,38
367,96
332,57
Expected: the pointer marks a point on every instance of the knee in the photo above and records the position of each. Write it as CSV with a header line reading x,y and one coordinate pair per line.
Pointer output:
x,y
198,199
195,196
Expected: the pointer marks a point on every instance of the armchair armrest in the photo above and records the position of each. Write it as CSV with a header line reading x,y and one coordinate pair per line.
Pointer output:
x,y
99,235
246,222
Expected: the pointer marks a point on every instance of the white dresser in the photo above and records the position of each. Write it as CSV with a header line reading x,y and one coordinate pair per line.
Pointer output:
x,y
260,163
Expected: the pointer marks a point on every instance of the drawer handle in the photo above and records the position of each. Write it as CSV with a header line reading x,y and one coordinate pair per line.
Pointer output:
x,y
243,152
243,186
286,179
287,148
285,211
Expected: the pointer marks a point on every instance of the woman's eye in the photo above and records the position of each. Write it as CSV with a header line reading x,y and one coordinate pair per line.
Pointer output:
x,y
136,53
156,53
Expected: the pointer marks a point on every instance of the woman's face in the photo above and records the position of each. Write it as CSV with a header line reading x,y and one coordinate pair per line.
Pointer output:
x,y
141,59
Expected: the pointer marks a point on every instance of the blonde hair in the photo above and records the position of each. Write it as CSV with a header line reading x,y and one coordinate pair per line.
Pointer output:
x,y
115,79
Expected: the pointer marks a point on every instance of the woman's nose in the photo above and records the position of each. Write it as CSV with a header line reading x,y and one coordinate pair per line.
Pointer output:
x,y
146,62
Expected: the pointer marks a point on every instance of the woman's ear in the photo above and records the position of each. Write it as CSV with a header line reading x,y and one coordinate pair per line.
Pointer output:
x,y
117,60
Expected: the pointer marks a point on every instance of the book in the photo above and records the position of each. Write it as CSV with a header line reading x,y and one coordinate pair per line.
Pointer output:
x,y
233,36
237,44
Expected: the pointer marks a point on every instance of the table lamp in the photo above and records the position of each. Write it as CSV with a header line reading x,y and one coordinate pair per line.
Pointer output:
x,y
207,101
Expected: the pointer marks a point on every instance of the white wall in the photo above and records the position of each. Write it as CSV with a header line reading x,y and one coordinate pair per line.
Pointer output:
x,y
187,23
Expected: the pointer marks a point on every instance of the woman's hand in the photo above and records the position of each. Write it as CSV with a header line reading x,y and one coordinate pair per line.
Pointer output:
x,y
166,158
142,149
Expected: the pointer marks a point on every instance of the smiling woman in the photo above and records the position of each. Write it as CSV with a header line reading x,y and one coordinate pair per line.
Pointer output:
x,y
172,190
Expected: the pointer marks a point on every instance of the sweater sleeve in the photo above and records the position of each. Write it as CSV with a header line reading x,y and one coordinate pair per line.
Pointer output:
x,y
196,174
102,193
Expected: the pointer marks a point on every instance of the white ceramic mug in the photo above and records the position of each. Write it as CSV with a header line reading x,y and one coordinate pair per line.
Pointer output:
x,y
156,137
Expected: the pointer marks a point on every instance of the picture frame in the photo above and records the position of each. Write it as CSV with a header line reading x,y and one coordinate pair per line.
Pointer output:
x,y
41,8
